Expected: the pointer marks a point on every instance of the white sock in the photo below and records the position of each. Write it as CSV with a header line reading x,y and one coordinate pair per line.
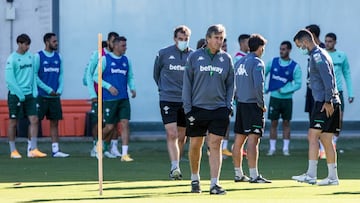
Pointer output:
x,y
195,177
225,144
321,146
214,181
55,147
12,146
272,144
174,165
125,149
332,170
253,172
239,172
286,143
312,168
29,145
114,143
33,143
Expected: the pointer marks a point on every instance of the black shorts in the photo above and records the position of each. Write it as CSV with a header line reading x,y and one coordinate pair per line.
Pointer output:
x,y
320,121
50,107
200,121
280,107
249,119
309,101
173,112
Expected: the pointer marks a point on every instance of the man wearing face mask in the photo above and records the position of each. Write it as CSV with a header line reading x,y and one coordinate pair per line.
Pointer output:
x,y
168,74
325,117
285,79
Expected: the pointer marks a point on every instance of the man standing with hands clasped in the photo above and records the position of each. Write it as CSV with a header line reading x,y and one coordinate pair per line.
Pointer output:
x,y
207,96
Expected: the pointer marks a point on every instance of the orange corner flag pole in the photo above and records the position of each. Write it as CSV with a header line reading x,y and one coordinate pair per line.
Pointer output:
x,y
100,142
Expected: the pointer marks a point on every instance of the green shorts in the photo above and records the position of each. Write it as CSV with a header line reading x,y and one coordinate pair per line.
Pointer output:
x,y
116,110
94,112
50,107
280,107
18,110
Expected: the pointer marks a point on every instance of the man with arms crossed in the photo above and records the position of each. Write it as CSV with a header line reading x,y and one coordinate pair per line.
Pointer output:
x,y
285,79
207,96
49,72
20,79
168,74
325,117
117,75
250,108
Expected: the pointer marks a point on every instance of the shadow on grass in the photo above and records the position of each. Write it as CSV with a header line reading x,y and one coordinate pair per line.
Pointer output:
x,y
144,187
86,198
343,193
20,186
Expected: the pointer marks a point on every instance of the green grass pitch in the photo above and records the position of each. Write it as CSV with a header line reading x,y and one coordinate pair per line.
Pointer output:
x,y
74,179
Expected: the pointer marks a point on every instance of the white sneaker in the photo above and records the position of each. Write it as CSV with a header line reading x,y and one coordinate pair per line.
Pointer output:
x,y
115,151
286,153
328,181
270,153
93,152
60,155
107,154
305,178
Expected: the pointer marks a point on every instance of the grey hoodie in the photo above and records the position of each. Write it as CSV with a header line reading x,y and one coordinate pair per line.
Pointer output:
x,y
322,78
168,72
249,80
208,82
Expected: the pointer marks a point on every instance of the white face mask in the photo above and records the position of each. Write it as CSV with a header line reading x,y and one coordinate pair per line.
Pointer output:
x,y
182,45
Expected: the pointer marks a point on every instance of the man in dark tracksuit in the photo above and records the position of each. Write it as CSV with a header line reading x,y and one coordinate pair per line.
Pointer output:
x,y
250,108
207,95
168,74
325,117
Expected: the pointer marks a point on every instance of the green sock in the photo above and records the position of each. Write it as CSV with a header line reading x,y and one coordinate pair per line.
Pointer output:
x,y
105,146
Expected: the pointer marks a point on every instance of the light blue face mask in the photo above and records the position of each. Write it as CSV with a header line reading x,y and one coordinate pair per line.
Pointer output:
x,y
303,51
182,45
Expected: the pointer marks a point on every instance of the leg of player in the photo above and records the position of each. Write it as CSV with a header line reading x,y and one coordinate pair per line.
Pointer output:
x,y
253,156
286,137
34,128
181,140
54,132
215,162
125,140
107,133
238,158
332,179
225,151
114,149
94,132
311,174
173,149
273,137
11,134
195,147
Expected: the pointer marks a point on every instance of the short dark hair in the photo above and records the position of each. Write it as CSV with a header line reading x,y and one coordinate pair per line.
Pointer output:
x,y
182,29
119,39
303,34
255,41
314,29
287,43
243,37
215,29
201,43
112,34
104,44
48,36
331,35
23,38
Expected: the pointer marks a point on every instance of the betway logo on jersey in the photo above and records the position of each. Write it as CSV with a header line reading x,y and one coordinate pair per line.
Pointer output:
x,y
279,78
118,71
25,66
176,67
50,70
211,68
